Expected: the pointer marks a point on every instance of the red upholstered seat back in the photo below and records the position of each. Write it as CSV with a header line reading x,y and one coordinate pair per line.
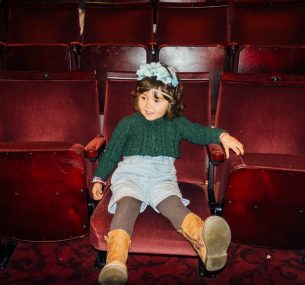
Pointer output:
x,y
119,103
43,22
270,59
105,58
47,57
48,110
208,58
266,113
124,23
191,166
191,24
268,24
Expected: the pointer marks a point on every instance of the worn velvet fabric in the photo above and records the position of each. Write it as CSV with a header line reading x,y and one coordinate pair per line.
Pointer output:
x,y
44,57
209,24
34,22
259,24
270,59
30,110
127,23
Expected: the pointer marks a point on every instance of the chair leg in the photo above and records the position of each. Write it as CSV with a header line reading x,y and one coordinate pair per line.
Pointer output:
x,y
91,206
203,272
100,260
6,251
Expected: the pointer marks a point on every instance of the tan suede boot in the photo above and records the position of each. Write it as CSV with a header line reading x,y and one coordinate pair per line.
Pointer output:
x,y
210,239
115,270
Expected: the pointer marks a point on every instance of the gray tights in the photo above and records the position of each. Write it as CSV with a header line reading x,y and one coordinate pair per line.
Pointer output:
x,y
128,209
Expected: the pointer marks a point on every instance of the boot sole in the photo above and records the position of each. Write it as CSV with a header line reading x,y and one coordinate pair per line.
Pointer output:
x,y
113,274
217,237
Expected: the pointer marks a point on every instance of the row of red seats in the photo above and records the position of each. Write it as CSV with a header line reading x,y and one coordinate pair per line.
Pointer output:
x,y
62,57
136,27
45,175
189,23
254,187
214,59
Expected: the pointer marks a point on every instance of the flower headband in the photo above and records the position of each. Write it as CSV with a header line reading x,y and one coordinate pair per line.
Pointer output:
x,y
166,75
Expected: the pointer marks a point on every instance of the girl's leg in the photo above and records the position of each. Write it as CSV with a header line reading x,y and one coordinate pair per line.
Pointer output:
x,y
173,209
210,238
118,241
127,211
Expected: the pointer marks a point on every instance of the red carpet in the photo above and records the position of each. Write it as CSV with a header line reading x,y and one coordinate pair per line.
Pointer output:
x,y
72,263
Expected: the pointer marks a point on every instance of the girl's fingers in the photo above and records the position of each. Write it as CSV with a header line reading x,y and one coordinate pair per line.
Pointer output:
x,y
236,147
97,194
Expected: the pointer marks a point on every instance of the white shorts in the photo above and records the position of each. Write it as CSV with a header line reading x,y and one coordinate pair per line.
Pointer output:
x,y
148,179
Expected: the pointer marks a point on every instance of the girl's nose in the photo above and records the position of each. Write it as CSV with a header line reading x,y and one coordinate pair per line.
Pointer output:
x,y
148,103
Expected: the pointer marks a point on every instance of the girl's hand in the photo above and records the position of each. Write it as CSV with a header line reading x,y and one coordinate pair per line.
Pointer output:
x,y
97,191
230,142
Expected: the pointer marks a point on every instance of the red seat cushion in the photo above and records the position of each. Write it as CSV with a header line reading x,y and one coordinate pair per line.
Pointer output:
x,y
152,232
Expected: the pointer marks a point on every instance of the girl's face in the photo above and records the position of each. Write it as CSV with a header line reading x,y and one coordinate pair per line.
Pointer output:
x,y
152,105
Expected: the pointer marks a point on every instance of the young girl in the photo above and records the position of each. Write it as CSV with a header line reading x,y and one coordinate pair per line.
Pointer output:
x,y
148,142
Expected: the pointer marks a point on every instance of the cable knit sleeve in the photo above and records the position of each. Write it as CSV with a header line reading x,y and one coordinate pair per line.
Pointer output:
x,y
111,156
197,133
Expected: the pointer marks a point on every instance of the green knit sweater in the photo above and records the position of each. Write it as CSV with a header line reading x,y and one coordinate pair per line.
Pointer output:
x,y
134,135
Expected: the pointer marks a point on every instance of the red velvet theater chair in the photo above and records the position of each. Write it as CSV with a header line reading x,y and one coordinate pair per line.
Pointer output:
x,y
259,23
104,58
118,23
116,37
40,34
44,174
34,22
191,23
261,194
197,58
43,57
191,170
270,59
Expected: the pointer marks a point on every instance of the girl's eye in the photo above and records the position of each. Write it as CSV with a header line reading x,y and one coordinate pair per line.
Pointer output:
x,y
158,99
